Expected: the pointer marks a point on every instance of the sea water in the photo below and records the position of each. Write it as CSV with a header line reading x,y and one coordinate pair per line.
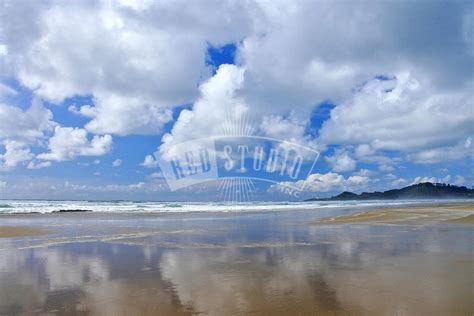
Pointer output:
x,y
51,206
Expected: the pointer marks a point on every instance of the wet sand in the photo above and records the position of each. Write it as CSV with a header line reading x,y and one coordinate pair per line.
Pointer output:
x,y
468,219
271,263
420,214
18,231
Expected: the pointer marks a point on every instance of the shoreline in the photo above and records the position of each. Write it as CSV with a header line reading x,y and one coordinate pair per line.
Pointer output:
x,y
38,224
247,209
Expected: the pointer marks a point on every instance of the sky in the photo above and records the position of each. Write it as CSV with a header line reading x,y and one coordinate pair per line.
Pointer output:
x,y
91,91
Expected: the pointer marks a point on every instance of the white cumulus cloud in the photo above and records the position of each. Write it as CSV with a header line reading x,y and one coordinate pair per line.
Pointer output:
x,y
149,162
326,182
15,153
402,115
117,163
341,161
68,142
25,125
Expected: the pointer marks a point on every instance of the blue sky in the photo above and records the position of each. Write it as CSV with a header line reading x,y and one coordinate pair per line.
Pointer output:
x,y
81,108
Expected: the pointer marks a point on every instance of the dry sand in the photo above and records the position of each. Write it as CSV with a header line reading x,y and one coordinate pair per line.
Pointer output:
x,y
462,213
19,231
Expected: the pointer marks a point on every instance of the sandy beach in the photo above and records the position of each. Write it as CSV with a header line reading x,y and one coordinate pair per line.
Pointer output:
x,y
20,231
410,260
416,215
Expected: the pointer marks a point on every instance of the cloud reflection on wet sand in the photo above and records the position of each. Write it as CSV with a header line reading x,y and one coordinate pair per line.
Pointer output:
x,y
288,269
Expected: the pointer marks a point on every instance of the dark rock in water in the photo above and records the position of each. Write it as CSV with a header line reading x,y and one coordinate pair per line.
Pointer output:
x,y
72,211
425,190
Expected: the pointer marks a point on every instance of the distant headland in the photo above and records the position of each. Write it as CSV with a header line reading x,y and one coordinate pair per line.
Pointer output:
x,y
426,190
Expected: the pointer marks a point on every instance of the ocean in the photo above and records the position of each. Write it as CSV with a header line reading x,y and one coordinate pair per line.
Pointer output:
x,y
51,206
